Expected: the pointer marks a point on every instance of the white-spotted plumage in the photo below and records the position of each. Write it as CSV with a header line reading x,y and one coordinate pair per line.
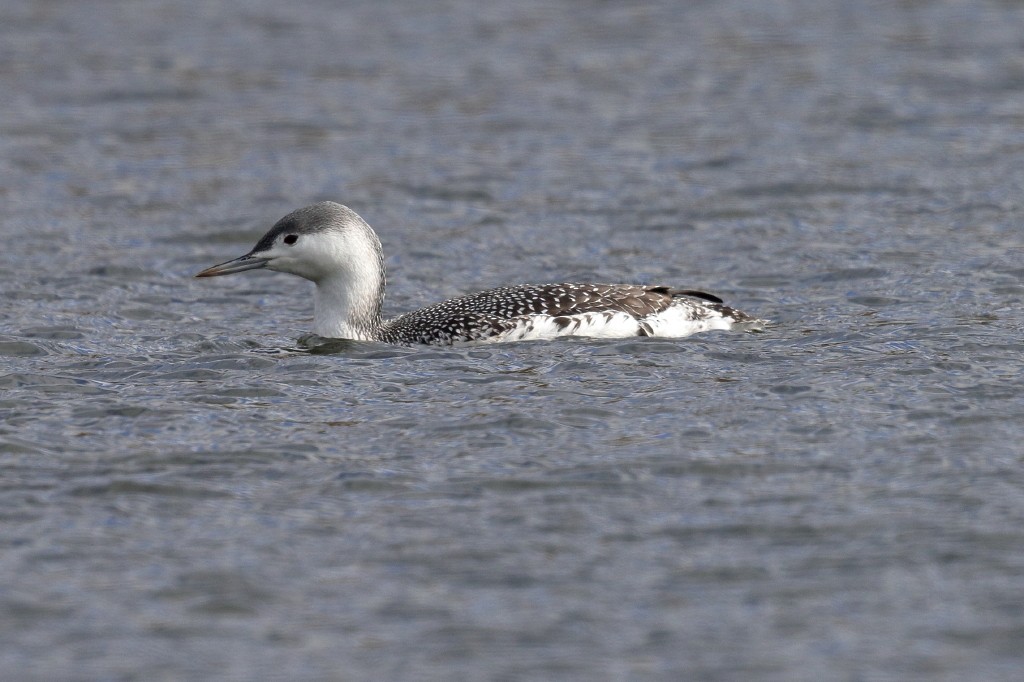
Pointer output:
x,y
333,247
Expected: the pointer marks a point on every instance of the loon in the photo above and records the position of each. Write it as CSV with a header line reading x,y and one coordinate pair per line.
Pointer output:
x,y
330,245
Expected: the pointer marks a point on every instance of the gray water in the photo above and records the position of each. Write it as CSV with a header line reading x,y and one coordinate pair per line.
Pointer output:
x,y
187,492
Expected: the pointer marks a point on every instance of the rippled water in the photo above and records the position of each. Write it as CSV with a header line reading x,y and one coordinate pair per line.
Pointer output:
x,y
188,493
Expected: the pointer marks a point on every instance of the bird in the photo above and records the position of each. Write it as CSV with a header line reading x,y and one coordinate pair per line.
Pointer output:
x,y
330,245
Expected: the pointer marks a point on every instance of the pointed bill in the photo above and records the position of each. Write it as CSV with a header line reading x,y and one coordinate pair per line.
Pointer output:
x,y
240,264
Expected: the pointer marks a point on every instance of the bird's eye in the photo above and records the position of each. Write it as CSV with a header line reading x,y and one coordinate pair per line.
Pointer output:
x,y
291,239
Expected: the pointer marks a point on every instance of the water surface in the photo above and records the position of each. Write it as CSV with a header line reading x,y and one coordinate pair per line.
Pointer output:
x,y
187,493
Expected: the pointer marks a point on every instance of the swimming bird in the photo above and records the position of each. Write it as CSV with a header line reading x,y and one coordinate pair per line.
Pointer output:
x,y
330,245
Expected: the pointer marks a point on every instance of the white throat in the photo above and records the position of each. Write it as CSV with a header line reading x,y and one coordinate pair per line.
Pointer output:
x,y
346,264
347,305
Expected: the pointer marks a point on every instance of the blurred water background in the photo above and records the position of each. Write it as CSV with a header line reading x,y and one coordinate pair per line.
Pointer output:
x,y
187,494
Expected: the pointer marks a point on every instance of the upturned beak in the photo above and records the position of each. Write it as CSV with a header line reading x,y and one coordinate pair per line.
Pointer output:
x,y
240,264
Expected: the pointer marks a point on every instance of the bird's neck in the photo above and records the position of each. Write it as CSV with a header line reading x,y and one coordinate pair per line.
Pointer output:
x,y
348,305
